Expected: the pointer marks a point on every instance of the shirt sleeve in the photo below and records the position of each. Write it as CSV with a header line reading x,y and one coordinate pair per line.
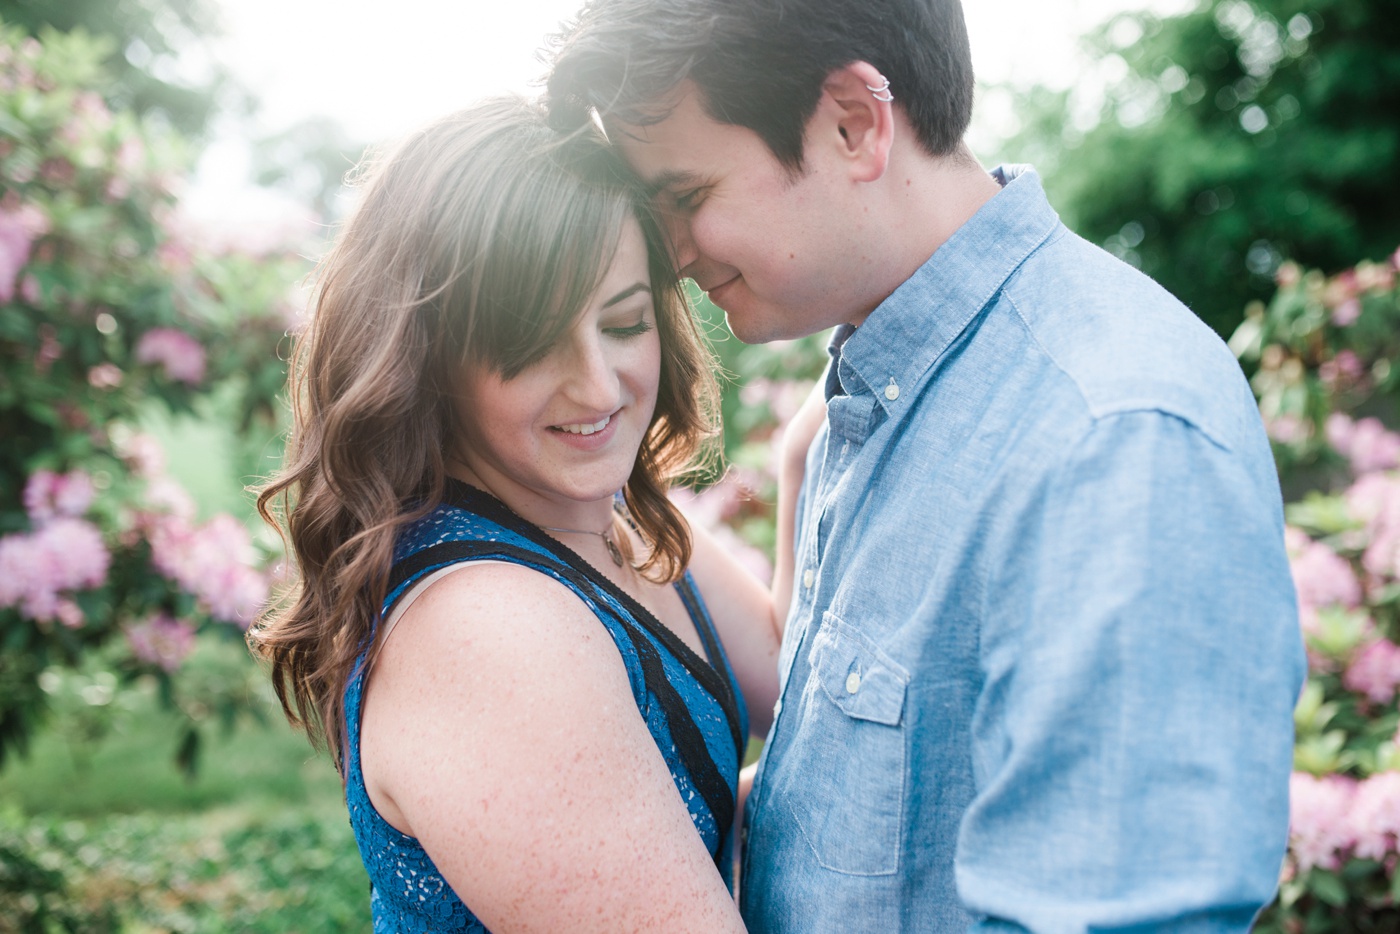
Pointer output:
x,y
1141,657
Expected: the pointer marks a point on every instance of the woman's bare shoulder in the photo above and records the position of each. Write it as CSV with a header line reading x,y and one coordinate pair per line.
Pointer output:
x,y
509,743
494,612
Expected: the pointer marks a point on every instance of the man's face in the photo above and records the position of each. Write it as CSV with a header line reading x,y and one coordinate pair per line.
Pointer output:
x,y
769,249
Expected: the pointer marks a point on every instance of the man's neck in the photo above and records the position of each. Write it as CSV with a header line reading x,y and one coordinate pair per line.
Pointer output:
x,y
922,201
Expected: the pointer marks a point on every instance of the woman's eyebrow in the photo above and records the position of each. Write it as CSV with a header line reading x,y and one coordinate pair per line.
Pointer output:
x,y
627,293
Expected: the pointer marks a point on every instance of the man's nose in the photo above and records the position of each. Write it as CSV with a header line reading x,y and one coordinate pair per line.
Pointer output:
x,y
681,243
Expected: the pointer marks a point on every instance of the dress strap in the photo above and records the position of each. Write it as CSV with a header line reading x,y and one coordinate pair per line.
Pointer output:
x,y
640,628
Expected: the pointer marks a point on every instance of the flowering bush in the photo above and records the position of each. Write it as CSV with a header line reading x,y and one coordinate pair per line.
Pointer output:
x,y
109,305
1324,347
762,387
1326,376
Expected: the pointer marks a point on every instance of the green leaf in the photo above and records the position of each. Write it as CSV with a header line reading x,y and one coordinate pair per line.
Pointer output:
x,y
1320,754
1289,892
1328,887
187,756
1358,869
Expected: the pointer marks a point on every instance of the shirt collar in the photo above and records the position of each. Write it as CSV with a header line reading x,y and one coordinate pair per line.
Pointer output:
x,y
906,333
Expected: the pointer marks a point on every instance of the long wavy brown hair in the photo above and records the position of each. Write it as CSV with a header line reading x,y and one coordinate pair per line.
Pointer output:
x,y
475,243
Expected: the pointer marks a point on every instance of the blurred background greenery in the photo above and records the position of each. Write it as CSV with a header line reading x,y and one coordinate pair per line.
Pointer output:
x,y
1220,144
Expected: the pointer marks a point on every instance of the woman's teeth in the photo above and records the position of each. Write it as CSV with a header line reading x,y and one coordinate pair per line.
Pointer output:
x,y
586,429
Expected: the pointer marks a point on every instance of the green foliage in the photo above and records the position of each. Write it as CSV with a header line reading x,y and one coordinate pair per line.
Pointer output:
x,y
104,834
215,873
108,306
1231,136
1322,351
1324,347
141,39
309,160
762,386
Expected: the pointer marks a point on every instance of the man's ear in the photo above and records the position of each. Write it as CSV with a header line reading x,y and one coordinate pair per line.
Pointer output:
x,y
856,115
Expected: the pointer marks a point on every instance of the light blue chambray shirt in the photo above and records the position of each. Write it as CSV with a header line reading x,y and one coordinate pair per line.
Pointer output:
x,y
1041,663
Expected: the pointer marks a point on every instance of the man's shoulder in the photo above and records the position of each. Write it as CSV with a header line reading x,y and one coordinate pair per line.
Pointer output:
x,y
1124,343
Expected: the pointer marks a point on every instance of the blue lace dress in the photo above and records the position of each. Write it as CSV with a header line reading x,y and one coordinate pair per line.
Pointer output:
x,y
692,706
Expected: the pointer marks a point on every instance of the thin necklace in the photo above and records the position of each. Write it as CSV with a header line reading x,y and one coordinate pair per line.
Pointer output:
x,y
613,551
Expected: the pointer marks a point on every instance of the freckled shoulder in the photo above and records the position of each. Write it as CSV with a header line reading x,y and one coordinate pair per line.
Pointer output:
x,y
512,746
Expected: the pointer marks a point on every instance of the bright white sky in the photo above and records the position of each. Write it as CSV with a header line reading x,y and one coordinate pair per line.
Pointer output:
x,y
382,68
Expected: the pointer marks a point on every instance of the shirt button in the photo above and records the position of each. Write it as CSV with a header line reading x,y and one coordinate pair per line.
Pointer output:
x,y
808,578
853,682
777,708
892,391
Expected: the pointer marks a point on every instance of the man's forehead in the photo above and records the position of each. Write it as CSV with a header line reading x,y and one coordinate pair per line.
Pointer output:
x,y
657,147
658,163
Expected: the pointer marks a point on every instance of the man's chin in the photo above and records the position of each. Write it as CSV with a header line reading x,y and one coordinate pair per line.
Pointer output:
x,y
757,328
748,330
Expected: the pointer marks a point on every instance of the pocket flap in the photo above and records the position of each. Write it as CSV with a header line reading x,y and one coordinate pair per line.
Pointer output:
x,y
856,675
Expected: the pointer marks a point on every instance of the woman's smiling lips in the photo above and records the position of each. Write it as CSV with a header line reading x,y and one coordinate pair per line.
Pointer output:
x,y
588,436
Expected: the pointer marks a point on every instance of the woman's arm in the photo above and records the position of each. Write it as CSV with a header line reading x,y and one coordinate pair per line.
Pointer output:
x,y
742,610
748,617
500,730
792,466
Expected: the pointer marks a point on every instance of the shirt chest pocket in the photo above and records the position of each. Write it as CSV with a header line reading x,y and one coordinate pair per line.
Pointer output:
x,y
841,777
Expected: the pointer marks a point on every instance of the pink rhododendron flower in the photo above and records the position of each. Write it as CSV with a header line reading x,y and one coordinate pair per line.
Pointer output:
x,y
165,496
1340,289
19,228
161,640
1345,367
50,350
36,568
1375,500
711,506
1374,277
755,561
69,613
142,453
717,502
1375,671
1287,429
105,376
1366,443
783,397
92,108
48,495
1345,314
1319,825
215,562
1321,576
181,356
1374,821
131,154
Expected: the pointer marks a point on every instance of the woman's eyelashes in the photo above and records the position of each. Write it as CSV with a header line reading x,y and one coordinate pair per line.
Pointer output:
x,y
628,331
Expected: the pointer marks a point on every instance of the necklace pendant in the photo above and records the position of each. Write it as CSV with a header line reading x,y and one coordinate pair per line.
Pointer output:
x,y
613,551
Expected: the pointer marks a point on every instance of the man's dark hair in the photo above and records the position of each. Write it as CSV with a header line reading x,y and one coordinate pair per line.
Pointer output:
x,y
760,64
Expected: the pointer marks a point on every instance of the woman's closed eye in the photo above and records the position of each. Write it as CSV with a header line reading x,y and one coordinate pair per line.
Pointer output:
x,y
629,331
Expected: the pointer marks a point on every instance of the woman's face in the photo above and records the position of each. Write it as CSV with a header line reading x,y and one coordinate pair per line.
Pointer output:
x,y
563,434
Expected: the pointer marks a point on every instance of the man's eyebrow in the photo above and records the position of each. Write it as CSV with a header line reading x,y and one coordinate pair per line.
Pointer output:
x,y
627,293
669,179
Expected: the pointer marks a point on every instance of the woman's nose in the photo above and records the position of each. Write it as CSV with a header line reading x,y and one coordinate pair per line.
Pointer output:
x,y
593,381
